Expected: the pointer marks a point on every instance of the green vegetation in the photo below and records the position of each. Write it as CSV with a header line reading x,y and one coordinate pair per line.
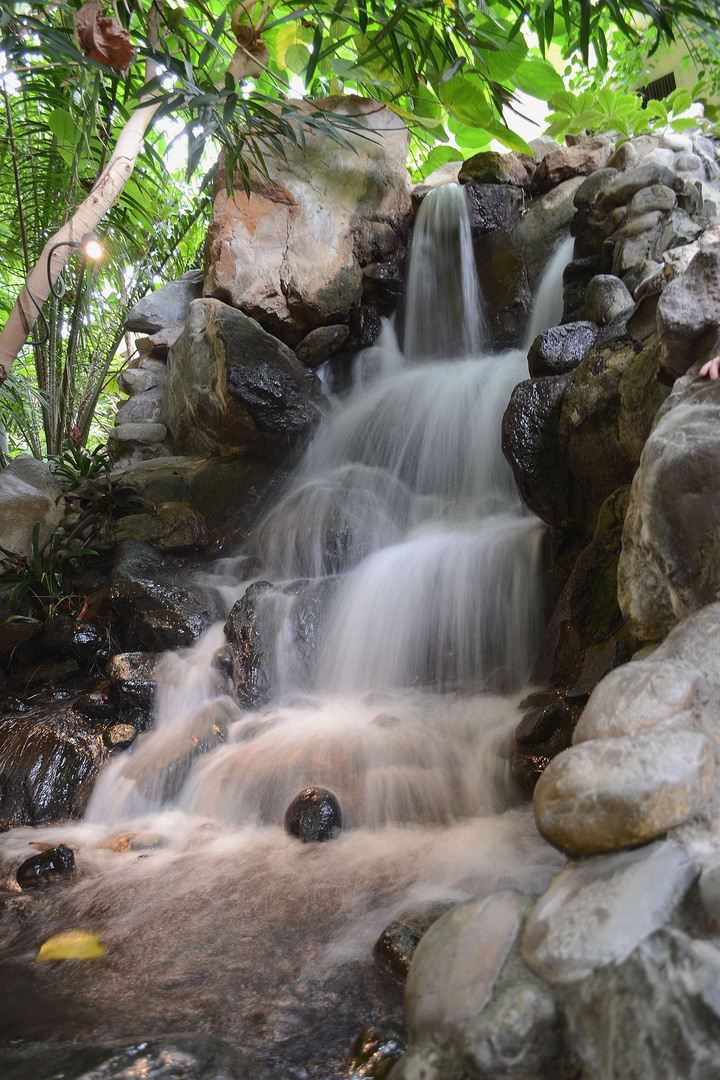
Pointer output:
x,y
204,75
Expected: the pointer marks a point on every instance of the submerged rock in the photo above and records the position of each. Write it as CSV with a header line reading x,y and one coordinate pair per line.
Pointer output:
x,y
376,1050
162,1057
397,944
45,867
314,816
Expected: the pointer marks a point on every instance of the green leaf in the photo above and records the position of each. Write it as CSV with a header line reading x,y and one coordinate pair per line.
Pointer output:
x,y
468,138
466,101
683,123
679,101
297,58
64,128
538,78
439,155
508,138
502,63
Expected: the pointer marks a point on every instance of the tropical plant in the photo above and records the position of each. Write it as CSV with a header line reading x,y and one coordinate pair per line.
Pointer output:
x,y
40,576
612,110
84,93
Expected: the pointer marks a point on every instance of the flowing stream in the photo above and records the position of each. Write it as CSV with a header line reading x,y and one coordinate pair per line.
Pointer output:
x,y
404,527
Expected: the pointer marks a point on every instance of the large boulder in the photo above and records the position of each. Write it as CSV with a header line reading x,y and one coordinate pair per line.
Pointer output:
x,y
290,255
29,493
232,385
165,306
689,314
669,565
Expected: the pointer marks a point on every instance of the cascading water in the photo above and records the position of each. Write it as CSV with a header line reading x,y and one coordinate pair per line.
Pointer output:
x,y
404,528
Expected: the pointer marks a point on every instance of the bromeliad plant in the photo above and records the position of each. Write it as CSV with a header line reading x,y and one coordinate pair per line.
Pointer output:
x,y
40,576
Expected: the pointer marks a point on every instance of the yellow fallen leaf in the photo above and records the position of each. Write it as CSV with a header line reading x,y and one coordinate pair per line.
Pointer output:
x,y
72,945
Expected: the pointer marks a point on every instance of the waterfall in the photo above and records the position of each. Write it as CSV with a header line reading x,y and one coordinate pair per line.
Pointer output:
x,y
397,598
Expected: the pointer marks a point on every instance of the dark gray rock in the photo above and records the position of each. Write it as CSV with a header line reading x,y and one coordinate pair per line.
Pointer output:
x,y
530,442
396,945
46,867
621,190
593,184
561,348
252,630
164,1057
63,635
231,384
320,344
132,678
166,305
653,1016
314,816
154,608
49,760
492,206
491,167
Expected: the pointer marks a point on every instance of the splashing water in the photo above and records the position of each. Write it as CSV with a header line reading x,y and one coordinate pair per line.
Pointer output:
x,y
406,510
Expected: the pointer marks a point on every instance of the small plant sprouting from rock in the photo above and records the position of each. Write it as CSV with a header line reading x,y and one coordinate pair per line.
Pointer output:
x,y
93,496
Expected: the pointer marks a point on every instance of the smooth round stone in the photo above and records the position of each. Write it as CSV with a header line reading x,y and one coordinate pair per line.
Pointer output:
x,y
649,199
637,696
313,816
609,794
457,963
606,298
673,140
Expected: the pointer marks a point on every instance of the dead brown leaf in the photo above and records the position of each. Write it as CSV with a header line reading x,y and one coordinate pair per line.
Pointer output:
x,y
103,39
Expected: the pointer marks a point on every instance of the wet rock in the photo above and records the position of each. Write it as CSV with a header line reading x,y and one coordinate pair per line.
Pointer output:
x,y
63,635
49,760
227,493
587,612
570,161
608,794
638,696
531,444
313,816
29,493
490,167
171,526
320,344
154,607
119,736
519,1036
561,348
669,565
132,677
607,412
653,1016
163,1057
544,732
166,305
286,256
595,913
252,629
231,384
458,962
397,944
492,206
38,673
688,318
376,1050
46,867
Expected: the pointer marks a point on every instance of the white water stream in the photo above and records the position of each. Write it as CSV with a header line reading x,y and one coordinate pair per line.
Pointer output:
x,y
406,714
